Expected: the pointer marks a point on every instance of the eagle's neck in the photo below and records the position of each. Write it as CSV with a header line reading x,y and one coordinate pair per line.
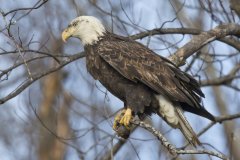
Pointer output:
x,y
92,34
92,38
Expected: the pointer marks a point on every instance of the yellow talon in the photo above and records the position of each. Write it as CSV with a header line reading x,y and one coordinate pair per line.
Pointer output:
x,y
122,118
121,124
125,119
117,119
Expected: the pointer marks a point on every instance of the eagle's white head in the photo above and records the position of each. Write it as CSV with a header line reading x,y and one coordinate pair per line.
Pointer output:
x,y
87,28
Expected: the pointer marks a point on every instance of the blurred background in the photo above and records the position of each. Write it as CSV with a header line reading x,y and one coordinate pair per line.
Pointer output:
x,y
51,113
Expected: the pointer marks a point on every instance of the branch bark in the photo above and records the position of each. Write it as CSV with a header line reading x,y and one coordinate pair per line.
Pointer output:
x,y
202,39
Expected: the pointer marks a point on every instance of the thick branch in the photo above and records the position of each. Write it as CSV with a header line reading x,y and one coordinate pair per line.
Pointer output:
x,y
109,155
192,31
160,31
202,39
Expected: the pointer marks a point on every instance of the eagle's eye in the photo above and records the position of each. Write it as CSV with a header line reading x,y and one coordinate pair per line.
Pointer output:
x,y
75,24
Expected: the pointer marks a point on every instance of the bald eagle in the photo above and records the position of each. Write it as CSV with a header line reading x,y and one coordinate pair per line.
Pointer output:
x,y
145,81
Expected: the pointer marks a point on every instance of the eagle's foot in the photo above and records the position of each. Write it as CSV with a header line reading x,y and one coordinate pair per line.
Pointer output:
x,y
125,119
116,122
121,124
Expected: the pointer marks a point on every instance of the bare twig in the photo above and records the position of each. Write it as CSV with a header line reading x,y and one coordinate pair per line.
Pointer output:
x,y
219,119
227,79
28,8
34,51
37,76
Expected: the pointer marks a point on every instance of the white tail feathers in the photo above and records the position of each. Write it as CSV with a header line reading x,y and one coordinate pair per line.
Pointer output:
x,y
173,115
185,127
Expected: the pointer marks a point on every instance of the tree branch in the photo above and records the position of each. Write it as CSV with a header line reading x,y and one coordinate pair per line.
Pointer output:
x,y
159,31
202,39
109,155
171,148
36,6
219,119
227,79
34,77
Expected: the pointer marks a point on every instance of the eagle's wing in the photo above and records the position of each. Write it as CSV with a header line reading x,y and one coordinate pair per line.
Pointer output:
x,y
139,64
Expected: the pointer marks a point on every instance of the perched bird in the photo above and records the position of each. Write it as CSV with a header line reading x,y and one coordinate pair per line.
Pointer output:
x,y
145,81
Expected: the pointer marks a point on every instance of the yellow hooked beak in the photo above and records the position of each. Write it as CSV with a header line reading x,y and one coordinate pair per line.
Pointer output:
x,y
66,34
